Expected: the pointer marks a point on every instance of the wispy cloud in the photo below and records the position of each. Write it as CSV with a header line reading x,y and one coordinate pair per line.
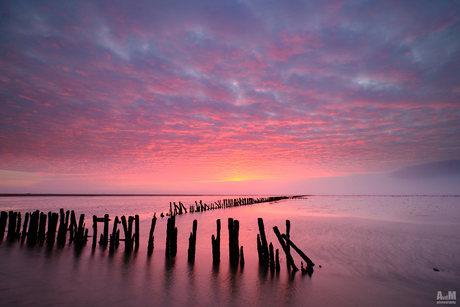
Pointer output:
x,y
196,89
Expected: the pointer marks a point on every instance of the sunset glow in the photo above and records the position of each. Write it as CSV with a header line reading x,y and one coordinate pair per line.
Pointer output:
x,y
212,96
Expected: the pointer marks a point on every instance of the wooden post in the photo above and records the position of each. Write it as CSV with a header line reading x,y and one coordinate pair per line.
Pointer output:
x,y
233,232
94,231
80,237
17,235
52,226
241,257
304,257
289,260
192,243
33,228
24,227
277,260
272,257
113,236
171,237
106,230
263,240
12,216
136,230
3,219
42,227
216,245
62,233
72,227
151,237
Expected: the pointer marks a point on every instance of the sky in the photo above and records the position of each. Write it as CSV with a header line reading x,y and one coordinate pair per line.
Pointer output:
x,y
274,97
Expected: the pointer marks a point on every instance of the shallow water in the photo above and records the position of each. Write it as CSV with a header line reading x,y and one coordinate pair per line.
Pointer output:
x,y
377,251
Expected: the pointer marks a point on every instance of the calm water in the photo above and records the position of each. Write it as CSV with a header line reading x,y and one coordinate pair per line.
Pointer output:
x,y
374,251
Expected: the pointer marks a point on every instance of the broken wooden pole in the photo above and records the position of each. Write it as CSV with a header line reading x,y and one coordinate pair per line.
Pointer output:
x,y
263,241
81,234
192,243
3,220
289,260
24,227
301,254
241,257
216,245
259,250
151,237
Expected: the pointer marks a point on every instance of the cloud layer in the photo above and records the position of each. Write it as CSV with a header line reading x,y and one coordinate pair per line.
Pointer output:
x,y
227,90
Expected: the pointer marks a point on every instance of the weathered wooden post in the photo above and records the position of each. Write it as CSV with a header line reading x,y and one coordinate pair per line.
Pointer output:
x,y
241,257
72,227
17,235
52,226
24,227
308,261
171,237
105,241
277,260
33,228
62,232
151,237
3,220
272,257
216,245
289,260
94,231
192,243
113,237
42,228
136,232
263,241
233,233
12,216
81,234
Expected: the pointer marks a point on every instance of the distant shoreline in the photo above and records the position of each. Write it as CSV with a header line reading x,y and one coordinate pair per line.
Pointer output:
x,y
171,194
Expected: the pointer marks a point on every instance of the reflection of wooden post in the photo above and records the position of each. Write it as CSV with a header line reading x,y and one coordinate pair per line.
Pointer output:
x,y
151,237
192,243
289,260
216,245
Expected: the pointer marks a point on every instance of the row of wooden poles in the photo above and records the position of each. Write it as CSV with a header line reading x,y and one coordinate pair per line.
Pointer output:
x,y
220,204
34,229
